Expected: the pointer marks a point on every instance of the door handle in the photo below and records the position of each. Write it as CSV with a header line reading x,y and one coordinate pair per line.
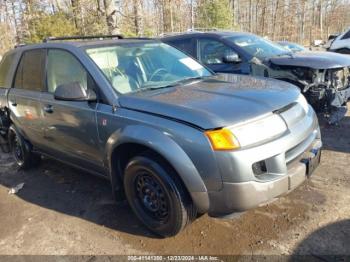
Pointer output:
x,y
48,109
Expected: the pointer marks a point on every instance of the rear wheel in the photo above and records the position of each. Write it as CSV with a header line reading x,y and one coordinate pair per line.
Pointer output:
x,y
20,150
157,196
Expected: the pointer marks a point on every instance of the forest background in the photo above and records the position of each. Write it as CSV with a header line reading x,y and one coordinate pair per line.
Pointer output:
x,y
302,21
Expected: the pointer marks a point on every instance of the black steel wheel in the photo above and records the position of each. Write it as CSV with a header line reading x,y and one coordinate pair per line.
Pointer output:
x,y
20,150
157,196
17,150
151,194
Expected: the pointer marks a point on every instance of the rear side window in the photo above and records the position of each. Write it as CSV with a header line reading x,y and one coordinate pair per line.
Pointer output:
x,y
185,45
31,71
5,66
346,36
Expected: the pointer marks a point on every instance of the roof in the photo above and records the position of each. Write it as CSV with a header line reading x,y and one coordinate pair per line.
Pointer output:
x,y
208,33
83,43
108,42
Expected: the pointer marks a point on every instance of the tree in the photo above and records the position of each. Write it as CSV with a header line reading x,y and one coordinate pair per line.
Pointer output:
x,y
215,14
111,14
138,17
301,21
43,25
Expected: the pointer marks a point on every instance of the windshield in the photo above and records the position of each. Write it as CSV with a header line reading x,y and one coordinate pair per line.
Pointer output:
x,y
258,47
141,66
292,47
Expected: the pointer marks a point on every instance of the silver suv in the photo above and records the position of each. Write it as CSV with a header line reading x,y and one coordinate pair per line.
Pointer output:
x,y
176,139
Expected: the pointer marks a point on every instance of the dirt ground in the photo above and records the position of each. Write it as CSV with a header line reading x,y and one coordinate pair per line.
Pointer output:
x,y
63,211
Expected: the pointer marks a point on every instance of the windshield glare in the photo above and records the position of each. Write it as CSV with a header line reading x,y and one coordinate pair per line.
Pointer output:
x,y
292,47
258,47
139,66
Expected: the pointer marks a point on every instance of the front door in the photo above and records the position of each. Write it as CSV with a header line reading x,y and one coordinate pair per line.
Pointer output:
x,y
211,52
70,128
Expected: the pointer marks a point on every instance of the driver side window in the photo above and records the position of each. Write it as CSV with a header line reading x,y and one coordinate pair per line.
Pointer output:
x,y
346,36
64,68
213,52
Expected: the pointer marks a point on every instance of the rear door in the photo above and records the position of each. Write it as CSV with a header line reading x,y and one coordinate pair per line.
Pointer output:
x,y
70,128
24,96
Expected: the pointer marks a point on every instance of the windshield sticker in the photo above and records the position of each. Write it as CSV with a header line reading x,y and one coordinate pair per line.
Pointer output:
x,y
191,64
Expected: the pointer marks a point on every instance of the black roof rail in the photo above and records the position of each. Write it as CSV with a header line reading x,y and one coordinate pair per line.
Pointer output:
x,y
101,37
140,38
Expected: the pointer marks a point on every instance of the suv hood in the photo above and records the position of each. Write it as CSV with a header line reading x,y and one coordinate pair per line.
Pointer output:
x,y
315,60
218,101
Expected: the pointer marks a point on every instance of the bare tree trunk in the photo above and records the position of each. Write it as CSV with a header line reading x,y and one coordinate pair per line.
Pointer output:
x,y
111,13
192,15
138,21
263,17
274,19
15,22
75,8
167,16
321,19
302,30
250,16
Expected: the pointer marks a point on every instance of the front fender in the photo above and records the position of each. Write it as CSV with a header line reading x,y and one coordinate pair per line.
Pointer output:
x,y
163,144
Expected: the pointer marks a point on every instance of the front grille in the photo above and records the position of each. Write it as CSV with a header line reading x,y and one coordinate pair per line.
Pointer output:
x,y
297,151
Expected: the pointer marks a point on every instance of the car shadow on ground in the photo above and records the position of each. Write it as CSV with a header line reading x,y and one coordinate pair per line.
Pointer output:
x,y
328,243
336,137
67,190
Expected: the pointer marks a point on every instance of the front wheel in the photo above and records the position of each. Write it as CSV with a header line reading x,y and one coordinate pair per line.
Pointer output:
x,y
21,151
157,196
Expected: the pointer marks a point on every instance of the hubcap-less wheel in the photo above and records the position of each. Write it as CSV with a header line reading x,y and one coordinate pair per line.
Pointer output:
x,y
17,150
21,150
156,195
150,194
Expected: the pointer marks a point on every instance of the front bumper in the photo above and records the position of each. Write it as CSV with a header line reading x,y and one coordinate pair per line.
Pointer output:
x,y
238,197
286,169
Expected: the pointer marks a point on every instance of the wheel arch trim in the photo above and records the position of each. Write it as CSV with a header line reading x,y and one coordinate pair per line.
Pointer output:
x,y
165,146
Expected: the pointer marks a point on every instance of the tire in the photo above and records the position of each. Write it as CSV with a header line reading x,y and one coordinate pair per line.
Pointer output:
x,y
21,150
157,196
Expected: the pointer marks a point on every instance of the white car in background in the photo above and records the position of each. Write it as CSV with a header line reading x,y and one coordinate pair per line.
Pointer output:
x,y
340,43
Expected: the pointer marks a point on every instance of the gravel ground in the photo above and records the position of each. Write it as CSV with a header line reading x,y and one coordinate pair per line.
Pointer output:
x,y
61,210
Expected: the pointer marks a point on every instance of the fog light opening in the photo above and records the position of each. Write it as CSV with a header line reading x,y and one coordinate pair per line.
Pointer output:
x,y
259,168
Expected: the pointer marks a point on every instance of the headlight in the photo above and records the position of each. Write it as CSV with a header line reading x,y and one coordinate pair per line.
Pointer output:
x,y
259,130
246,134
341,78
302,101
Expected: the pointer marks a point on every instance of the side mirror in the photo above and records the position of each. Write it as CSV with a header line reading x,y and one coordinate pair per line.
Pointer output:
x,y
231,57
74,92
331,37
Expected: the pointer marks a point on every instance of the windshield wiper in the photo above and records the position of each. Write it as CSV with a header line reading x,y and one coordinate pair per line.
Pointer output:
x,y
290,54
176,83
